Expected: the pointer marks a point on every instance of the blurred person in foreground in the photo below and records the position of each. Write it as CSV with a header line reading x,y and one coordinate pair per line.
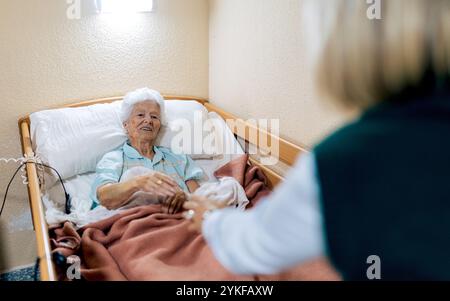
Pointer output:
x,y
378,186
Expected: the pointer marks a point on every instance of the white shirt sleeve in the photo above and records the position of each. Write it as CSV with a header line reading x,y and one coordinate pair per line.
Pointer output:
x,y
283,230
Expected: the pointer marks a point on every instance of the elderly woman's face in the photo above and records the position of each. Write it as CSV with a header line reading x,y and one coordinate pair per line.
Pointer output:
x,y
144,121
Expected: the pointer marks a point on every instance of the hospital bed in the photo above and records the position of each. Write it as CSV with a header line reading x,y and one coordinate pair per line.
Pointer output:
x,y
288,153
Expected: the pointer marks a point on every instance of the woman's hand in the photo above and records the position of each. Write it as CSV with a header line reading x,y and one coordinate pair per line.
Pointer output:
x,y
197,207
161,186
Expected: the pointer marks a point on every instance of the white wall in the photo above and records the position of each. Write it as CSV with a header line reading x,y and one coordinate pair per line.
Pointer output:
x,y
47,59
258,67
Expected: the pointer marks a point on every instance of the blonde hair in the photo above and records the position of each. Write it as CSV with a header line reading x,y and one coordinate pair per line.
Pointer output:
x,y
365,61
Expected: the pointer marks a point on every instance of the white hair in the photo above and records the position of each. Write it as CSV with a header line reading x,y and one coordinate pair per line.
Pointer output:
x,y
142,95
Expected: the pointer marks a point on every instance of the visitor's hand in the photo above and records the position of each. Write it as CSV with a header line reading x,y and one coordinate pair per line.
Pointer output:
x,y
174,204
198,207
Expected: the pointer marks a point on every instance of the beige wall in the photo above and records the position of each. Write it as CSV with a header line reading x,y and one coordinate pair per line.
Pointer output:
x,y
47,59
258,67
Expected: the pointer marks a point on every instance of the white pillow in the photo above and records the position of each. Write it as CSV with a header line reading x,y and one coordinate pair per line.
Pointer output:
x,y
185,122
229,150
73,140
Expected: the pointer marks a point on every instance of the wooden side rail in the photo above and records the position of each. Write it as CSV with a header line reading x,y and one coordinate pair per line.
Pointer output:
x,y
288,152
37,210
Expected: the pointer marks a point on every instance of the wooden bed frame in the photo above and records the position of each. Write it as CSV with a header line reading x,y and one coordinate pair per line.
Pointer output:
x,y
288,153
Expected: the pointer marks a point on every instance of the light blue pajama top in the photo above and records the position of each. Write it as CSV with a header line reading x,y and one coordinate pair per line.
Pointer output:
x,y
110,168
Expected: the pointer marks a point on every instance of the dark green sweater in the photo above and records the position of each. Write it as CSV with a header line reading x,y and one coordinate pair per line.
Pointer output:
x,y
385,184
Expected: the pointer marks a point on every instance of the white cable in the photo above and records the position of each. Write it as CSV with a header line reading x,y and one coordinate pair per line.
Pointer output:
x,y
22,160
11,160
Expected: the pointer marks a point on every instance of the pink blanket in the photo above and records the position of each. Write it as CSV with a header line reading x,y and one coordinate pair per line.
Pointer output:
x,y
144,244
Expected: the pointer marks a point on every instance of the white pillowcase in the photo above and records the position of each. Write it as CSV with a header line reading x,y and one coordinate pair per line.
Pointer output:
x,y
229,150
73,140
185,121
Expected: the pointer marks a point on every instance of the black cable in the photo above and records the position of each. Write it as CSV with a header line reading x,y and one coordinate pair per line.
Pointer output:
x,y
66,195
36,269
7,188
58,259
68,204
67,209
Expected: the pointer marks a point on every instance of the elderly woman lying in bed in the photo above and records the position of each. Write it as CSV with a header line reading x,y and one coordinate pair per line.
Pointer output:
x,y
169,175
